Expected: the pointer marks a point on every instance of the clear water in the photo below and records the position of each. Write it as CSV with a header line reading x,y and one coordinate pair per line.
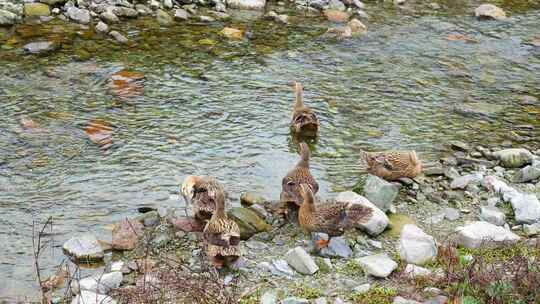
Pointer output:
x,y
223,109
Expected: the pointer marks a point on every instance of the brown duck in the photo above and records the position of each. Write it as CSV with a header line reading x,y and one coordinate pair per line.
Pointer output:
x,y
303,121
199,192
300,174
331,218
393,165
221,235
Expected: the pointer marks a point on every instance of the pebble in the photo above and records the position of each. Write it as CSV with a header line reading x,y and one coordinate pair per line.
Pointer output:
x,y
451,214
463,181
301,261
40,47
532,229
281,267
320,301
413,271
101,27
294,300
375,244
400,300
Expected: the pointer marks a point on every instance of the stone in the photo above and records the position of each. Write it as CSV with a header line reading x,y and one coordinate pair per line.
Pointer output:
x,y
489,11
359,4
357,27
378,221
435,169
412,271
278,18
248,221
247,4
514,158
459,145
206,18
88,297
492,215
301,261
440,299
41,47
118,266
478,234
163,18
375,244
415,246
143,10
36,9
294,300
269,297
378,265
361,289
187,224
7,18
101,27
451,173
232,33
451,214
336,16
463,181
109,17
250,198
532,229
362,14
320,301
398,299
84,248
118,37
336,5
337,248
528,173
52,2
380,192
281,267
78,15
181,14
102,283
126,234
122,11
167,4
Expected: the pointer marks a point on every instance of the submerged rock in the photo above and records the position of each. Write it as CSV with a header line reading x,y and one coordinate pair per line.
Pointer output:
x,y
490,11
126,234
78,15
247,4
415,246
41,47
248,221
336,16
84,248
301,261
232,33
163,18
379,265
514,158
357,27
378,221
336,5
478,234
36,10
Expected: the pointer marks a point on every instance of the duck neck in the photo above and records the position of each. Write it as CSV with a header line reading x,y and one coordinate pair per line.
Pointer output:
x,y
220,207
304,156
308,206
299,96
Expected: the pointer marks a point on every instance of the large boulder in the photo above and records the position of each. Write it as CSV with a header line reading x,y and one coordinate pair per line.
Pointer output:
x,y
514,158
126,234
248,221
489,11
247,4
84,248
301,261
378,265
478,234
415,246
36,9
378,221
380,192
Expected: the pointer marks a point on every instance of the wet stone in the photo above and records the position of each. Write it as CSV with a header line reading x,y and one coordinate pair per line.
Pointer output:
x,y
110,17
41,47
181,14
78,15
489,11
36,9
163,18
84,248
101,27
7,18
119,37
126,234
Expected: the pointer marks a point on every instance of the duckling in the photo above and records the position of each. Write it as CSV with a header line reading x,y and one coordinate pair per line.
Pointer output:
x,y
300,174
332,218
304,121
199,192
221,235
393,165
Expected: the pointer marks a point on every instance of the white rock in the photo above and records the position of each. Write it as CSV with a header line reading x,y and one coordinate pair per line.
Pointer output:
x,y
7,17
78,15
413,271
101,27
247,4
109,16
301,261
181,14
400,300
119,37
101,284
477,234
492,215
360,289
514,158
415,246
281,267
167,4
532,229
88,297
117,266
85,247
378,265
490,11
378,221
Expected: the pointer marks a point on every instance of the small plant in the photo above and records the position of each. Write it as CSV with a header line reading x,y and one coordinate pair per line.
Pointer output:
x,y
351,268
307,292
376,295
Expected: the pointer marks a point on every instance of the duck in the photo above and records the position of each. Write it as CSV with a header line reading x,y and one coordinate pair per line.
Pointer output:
x,y
332,218
393,165
300,174
221,235
199,192
304,121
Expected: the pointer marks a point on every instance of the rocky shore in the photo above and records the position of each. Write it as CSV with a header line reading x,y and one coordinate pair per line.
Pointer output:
x,y
477,206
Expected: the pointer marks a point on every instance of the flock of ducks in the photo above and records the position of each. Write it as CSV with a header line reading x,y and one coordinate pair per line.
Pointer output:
x,y
221,235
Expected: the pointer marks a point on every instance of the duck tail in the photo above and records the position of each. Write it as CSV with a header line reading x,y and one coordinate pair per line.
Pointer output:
x,y
298,95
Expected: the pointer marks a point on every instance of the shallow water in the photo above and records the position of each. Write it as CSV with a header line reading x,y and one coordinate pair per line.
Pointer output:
x,y
210,106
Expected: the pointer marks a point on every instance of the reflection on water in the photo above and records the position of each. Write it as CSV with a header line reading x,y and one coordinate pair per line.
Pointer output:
x,y
222,108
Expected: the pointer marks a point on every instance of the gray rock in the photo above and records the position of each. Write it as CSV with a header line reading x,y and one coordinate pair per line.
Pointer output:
x,y
532,229
119,37
336,5
415,246
378,265
459,145
41,47
84,248
380,192
337,247
493,201
412,271
249,222
101,27
477,234
101,284
109,16
359,4
247,4
206,18
490,11
514,158
375,244
88,297
361,289
451,214
79,15
269,297
122,11
247,198
163,18
278,18
451,173
528,173
281,267
301,261
400,300
167,4
463,181
293,300
362,14
492,215
436,169
378,221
